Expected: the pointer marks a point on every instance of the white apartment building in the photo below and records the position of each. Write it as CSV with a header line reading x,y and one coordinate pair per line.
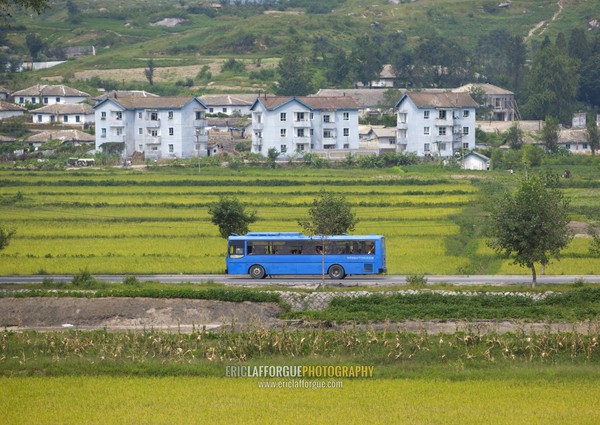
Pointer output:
x,y
79,114
304,124
159,127
436,124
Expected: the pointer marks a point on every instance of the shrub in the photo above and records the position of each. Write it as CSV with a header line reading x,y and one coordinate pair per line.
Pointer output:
x,y
84,279
416,280
131,281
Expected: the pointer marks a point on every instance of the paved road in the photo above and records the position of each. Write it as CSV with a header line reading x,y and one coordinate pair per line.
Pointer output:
x,y
311,281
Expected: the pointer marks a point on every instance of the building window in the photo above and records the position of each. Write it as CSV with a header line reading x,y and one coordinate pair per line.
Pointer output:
x,y
346,145
103,133
211,110
58,100
346,132
103,115
465,130
65,118
346,116
199,115
282,116
326,118
300,132
299,116
283,132
442,146
46,100
170,115
139,115
154,133
77,118
52,118
327,134
140,131
33,100
466,113
402,118
442,114
153,116
283,148
497,102
119,131
224,110
442,131
140,148
171,131
39,118
118,115
21,100
465,146
426,131
426,147
426,115
171,148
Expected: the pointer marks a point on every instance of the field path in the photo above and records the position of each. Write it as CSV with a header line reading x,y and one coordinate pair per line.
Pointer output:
x,y
543,24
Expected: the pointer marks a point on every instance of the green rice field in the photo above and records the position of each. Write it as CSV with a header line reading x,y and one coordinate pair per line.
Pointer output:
x,y
193,400
156,220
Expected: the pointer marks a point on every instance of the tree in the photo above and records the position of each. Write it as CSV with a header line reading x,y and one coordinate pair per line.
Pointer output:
x,y
552,86
329,215
231,216
5,236
36,6
35,44
589,88
592,133
514,136
294,75
516,54
366,61
549,134
531,224
149,72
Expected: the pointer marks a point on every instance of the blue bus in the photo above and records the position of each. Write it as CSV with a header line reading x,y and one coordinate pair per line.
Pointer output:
x,y
264,254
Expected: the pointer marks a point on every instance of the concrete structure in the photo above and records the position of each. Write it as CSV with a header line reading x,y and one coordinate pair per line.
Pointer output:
x,y
80,114
501,102
475,161
158,127
436,124
72,137
325,125
49,95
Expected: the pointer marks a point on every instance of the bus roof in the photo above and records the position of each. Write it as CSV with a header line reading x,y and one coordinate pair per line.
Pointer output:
x,y
298,235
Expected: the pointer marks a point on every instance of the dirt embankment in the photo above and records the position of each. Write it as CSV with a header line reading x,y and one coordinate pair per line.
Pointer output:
x,y
181,315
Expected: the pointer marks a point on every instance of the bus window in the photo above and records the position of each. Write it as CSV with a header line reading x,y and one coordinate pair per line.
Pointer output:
x,y
370,247
236,249
258,247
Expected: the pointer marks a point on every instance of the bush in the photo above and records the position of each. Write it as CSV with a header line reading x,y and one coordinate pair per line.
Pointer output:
x,y
84,279
131,281
416,280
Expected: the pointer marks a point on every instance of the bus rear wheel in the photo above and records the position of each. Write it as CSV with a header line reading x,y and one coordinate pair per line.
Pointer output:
x,y
337,272
257,272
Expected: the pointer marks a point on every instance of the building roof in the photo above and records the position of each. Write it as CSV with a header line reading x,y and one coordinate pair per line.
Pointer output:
x,y
487,88
387,73
311,102
114,94
228,99
572,135
384,131
7,139
365,98
65,108
7,106
440,100
62,135
476,155
172,102
50,90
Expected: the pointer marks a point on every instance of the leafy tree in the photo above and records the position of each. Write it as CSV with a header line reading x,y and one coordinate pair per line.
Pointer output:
x,y
552,85
294,75
514,136
73,12
272,156
589,88
36,6
231,216
531,224
579,47
330,214
35,44
338,69
149,72
592,133
516,54
234,66
5,236
366,60
549,134
561,42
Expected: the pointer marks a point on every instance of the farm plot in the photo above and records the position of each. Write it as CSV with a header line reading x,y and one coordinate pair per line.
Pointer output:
x,y
122,221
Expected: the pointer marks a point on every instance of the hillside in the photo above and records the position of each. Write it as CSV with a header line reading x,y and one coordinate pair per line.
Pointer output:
x,y
181,37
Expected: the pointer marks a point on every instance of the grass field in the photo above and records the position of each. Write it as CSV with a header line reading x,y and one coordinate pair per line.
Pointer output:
x,y
93,400
124,221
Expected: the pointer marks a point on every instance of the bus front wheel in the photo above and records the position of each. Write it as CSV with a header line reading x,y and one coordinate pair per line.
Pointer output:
x,y
337,272
257,272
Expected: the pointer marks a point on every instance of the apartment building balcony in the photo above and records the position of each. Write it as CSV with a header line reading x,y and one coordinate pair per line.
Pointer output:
x,y
444,122
402,126
301,123
300,140
258,126
200,123
153,140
